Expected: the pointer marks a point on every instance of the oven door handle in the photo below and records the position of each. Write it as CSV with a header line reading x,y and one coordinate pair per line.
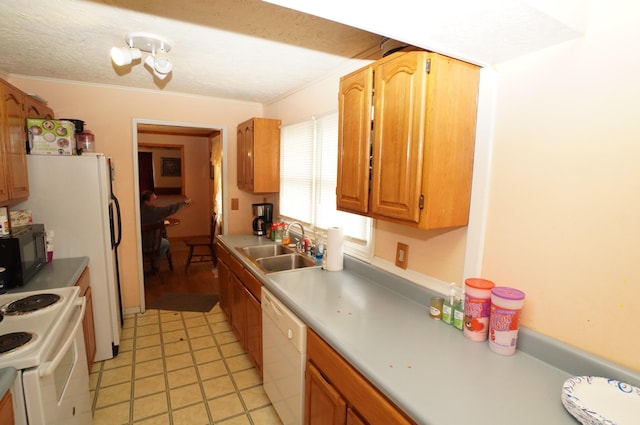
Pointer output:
x,y
49,367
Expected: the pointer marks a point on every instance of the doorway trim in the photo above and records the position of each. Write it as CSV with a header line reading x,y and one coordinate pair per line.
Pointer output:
x,y
225,189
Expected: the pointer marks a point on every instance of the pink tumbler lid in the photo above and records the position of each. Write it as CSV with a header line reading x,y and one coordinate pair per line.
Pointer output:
x,y
479,283
507,293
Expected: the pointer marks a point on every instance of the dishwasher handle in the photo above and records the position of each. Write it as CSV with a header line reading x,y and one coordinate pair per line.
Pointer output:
x,y
287,323
270,305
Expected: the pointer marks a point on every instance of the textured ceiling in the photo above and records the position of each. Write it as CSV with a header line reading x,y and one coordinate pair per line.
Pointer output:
x,y
247,50
239,49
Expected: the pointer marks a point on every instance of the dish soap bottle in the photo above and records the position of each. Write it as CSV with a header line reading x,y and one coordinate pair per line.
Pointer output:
x,y
458,312
447,306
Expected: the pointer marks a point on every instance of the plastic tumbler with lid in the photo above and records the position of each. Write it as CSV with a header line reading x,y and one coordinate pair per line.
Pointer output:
x,y
477,303
506,305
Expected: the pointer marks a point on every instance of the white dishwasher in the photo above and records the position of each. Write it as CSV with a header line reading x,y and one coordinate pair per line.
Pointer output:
x,y
284,349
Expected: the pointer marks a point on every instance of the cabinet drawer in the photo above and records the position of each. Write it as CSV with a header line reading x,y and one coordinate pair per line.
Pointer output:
x,y
236,267
252,284
370,403
222,253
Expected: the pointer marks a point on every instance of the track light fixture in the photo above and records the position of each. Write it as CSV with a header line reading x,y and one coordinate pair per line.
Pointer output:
x,y
157,61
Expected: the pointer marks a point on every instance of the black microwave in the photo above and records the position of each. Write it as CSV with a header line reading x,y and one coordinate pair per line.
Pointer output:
x,y
23,252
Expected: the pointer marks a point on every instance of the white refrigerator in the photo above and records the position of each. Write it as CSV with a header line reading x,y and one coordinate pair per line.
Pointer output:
x,y
72,195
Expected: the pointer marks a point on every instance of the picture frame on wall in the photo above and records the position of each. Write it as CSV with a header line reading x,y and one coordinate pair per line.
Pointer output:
x,y
171,167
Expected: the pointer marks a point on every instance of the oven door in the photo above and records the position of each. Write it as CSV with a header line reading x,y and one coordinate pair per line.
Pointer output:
x,y
57,391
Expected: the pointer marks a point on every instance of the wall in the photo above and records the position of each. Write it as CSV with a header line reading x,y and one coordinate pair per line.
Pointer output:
x,y
109,113
565,191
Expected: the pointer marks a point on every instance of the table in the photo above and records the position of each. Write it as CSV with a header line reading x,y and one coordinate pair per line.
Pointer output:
x,y
171,221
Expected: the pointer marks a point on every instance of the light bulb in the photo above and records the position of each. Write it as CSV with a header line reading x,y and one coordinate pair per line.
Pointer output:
x,y
124,55
162,64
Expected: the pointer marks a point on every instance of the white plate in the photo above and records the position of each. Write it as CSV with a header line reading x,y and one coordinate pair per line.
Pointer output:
x,y
601,401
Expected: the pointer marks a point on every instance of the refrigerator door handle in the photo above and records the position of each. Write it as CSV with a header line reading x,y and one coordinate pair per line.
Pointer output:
x,y
116,230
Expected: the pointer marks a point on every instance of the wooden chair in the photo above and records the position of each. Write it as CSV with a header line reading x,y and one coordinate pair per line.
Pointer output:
x,y
203,250
152,235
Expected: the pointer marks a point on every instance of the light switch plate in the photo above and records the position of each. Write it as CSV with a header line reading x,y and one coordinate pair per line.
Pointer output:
x,y
402,255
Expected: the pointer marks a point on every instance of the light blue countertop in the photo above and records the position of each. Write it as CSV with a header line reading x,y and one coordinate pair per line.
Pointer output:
x,y
57,274
7,375
380,324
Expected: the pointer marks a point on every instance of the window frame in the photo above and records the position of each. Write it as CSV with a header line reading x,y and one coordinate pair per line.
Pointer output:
x,y
356,247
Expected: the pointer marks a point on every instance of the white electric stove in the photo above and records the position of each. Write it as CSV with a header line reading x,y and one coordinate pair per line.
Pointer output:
x,y
41,337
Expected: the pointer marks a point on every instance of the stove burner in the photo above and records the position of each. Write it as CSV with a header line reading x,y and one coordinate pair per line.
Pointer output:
x,y
31,303
13,340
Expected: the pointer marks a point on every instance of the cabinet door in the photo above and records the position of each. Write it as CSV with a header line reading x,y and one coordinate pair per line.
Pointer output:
x,y
88,326
89,330
265,148
258,142
14,140
354,140
323,404
399,106
6,409
245,155
224,288
36,109
254,331
353,418
238,308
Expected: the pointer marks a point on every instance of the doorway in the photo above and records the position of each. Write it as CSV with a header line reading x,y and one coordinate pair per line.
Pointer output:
x,y
203,175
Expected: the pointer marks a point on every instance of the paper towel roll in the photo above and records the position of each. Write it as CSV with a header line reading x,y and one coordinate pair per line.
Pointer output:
x,y
335,248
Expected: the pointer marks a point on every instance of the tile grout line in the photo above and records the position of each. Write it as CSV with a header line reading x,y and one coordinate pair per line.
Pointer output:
x,y
196,369
231,376
211,321
133,369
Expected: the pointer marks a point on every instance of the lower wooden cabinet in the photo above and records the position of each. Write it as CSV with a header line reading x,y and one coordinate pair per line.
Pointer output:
x,y
253,339
240,300
353,418
6,410
88,321
238,307
337,394
223,287
324,404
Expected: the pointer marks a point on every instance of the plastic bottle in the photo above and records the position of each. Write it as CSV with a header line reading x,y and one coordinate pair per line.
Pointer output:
x,y
447,306
85,141
458,312
279,233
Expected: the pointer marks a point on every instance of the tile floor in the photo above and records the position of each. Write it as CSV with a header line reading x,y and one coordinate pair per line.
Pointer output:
x,y
179,368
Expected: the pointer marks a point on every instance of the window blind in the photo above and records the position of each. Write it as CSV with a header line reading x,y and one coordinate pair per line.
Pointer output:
x,y
308,177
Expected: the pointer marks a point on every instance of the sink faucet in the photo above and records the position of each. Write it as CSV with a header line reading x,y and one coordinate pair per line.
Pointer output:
x,y
298,243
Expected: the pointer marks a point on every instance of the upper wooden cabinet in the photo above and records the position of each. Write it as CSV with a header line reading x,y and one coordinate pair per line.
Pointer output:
x,y
259,155
14,180
35,109
335,391
406,140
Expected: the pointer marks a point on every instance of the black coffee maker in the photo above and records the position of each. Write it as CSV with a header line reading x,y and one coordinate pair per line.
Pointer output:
x,y
263,217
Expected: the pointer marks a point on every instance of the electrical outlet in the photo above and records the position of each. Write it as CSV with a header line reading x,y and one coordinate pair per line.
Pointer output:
x,y
234,203
402,255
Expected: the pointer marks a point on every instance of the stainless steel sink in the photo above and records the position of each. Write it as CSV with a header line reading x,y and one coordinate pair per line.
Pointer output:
x,y
285,262
259,251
